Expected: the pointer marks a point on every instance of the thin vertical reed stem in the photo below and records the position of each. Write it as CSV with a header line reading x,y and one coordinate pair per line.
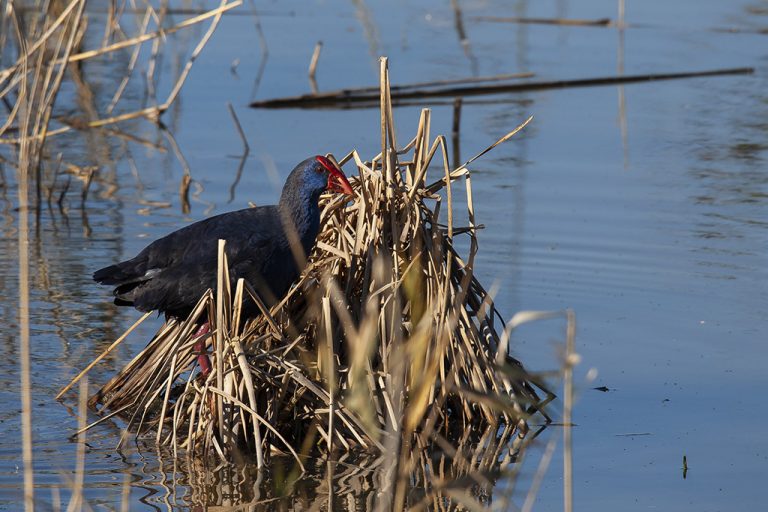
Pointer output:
x,y
331,369
25,163
220,276
383,109
313,66
570,354
76,501
24,352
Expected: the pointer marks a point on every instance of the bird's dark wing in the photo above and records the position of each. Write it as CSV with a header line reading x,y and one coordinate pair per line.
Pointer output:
x,y
171,273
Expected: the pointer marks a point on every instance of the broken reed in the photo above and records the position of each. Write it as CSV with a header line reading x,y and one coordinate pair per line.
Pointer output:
x,y
388,342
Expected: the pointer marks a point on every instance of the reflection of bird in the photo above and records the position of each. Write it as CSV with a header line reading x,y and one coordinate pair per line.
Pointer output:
x,y
172,273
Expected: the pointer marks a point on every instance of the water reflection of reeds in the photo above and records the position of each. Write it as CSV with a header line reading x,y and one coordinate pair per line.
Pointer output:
x,y
457,479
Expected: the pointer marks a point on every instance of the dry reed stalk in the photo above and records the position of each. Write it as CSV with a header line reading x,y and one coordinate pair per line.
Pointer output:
x,y
571,359
77,502
131,63
16,76
313,66
388,343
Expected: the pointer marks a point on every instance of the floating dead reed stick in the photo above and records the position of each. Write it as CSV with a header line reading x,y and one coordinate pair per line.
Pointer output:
x,y
599,22
366,98
388,343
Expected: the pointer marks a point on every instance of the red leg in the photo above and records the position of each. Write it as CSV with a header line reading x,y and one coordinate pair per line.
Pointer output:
x,y
200,350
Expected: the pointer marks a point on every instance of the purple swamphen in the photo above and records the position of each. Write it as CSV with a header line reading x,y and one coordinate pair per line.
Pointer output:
x,y
264,246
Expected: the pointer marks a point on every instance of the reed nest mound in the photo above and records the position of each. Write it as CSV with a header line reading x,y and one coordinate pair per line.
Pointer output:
x,y
387,342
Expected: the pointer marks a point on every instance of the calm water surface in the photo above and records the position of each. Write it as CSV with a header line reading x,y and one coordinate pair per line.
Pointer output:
x,y
644,208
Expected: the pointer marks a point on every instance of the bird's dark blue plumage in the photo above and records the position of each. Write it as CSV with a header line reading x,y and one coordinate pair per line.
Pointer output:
x,y
171,274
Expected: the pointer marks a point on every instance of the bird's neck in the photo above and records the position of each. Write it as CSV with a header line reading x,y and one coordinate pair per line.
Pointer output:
x,y
299,211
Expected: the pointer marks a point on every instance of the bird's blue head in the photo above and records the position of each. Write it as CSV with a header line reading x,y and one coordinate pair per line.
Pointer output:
x,y
311,178
299,202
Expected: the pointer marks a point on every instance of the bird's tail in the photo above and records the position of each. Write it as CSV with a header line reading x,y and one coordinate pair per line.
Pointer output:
x,y
125,272
109,275
126,277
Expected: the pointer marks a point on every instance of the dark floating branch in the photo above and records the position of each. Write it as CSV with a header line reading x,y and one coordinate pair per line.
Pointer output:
x,y
601,22
371,93
368,97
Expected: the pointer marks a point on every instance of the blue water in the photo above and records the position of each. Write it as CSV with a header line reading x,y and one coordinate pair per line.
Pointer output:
x,y
642,208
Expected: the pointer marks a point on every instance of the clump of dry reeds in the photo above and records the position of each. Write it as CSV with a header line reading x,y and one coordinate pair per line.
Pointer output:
x,y
387,343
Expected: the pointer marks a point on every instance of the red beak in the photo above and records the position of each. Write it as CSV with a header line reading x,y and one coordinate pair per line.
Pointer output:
x,y
337,182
